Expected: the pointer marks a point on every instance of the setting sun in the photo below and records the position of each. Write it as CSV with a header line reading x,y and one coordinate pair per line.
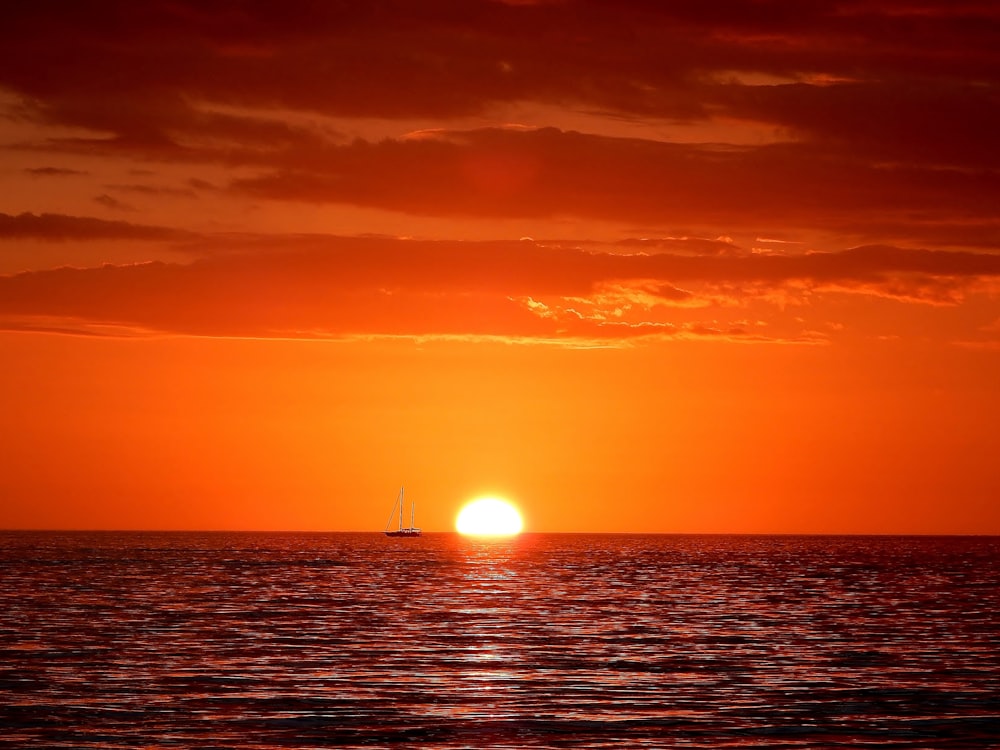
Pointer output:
x,y
489,516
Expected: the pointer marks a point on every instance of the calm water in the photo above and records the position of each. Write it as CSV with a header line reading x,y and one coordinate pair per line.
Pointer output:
x,y
116,640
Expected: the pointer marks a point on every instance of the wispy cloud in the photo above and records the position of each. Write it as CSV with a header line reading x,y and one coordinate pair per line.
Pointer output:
x,y
334,287
154,190
61,227
109,201
53,172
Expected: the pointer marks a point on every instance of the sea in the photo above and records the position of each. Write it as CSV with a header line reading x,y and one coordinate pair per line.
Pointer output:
x,y
302,640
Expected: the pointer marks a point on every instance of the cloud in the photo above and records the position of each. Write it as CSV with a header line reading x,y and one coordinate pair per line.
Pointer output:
x,y
109,201
335,287
835,123
53,172
59,227
874,121
546,172
891,80
154,190
934,122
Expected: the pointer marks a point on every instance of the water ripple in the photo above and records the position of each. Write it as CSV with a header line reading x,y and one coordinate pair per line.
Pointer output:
x,y
354,640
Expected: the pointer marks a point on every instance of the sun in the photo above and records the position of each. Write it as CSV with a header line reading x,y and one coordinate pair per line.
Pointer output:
x,y
489,516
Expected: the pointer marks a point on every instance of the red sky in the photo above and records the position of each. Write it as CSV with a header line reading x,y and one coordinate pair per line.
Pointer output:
x,y
637,266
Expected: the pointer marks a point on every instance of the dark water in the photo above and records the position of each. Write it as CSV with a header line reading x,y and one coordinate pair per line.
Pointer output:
x,y
119,640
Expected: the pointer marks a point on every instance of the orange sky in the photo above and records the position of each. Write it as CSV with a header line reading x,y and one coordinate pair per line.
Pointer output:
x,y
650,267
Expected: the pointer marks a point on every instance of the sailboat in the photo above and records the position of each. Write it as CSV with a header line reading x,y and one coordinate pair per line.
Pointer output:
x,y
411,530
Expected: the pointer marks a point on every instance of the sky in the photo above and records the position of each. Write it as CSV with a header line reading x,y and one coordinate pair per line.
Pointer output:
x,y
685,267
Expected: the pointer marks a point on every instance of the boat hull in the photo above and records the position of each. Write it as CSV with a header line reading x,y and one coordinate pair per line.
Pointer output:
x,y
403,532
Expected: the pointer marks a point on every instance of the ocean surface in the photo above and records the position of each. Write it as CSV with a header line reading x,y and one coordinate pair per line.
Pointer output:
x,y
218,640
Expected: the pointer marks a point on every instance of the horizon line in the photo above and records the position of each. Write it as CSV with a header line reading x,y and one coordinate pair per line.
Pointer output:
x,y
522,533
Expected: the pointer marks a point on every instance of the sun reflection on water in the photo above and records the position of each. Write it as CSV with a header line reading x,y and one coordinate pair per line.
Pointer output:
x,y
359,641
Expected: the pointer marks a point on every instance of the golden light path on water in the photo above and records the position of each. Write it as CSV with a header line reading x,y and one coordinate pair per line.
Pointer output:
x,y
489,516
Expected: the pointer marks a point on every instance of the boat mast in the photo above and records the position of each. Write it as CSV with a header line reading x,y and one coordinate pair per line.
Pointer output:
x,y
411,513
400,508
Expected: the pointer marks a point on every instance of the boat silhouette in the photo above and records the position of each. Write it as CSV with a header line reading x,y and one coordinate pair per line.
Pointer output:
x,y
404,531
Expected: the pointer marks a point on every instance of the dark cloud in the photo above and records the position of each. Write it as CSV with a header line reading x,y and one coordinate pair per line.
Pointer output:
x,y
547,172
899,80
154,190
879,119
61,227
199,184
109,201
934,123
53,172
